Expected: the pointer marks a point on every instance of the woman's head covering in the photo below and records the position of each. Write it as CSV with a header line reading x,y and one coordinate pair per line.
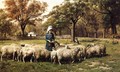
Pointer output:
x,y
49,28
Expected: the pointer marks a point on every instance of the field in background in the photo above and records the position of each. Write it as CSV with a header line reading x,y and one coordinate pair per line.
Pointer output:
x,y
109,63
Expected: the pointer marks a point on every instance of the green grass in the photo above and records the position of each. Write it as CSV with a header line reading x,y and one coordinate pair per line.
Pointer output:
x,y
110,63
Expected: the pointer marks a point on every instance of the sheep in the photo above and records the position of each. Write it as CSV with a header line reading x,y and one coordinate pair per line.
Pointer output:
x,y
41,52
94,50
45,54
99,47
67,53
10,49
82,54
54,53
38,51
27,52
53,56
102,49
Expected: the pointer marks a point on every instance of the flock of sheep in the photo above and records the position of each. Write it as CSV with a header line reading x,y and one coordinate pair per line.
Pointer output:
x,y
61,53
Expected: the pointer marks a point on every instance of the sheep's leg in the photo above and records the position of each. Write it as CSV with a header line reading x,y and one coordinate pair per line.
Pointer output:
x,y
54,60
80,59
35,59
73,60
84,56
51,58
2,56
18,58
31,59
23,58
59,62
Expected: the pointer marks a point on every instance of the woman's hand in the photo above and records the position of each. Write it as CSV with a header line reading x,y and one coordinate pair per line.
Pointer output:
x,y
48,40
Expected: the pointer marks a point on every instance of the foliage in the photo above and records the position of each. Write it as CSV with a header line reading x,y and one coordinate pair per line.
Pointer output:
x,y
110,9
5,25
68,13
24,11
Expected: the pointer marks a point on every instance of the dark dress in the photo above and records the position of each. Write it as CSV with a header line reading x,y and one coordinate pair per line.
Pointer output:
x,y
49,45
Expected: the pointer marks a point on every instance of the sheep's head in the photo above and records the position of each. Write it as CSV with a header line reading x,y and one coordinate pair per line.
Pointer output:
x,y
77,49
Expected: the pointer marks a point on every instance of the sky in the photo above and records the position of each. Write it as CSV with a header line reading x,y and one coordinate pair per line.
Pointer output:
x,y
50,3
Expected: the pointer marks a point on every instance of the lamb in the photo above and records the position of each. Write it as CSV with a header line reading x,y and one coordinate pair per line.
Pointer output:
x,y
66,54
53,56
10,49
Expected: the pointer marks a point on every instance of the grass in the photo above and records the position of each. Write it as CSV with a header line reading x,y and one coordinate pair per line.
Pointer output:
x,y
109,63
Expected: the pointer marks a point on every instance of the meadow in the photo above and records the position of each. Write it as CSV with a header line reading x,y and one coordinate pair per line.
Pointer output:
x,y
108,63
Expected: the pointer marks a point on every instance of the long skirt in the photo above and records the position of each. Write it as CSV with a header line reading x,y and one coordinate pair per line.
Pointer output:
x,y
49,46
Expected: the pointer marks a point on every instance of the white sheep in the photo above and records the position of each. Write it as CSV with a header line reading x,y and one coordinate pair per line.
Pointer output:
x,y
38,49
102,49
40,52
45,54
94,50
12,49
82,53
64,53
27,52
53,56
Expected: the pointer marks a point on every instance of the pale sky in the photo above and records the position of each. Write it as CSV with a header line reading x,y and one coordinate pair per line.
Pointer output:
x,y
50,3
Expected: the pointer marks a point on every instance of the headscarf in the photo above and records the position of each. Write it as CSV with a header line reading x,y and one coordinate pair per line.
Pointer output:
x,y
49,28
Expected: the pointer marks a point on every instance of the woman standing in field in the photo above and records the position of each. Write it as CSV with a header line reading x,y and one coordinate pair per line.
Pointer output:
x,y
50,39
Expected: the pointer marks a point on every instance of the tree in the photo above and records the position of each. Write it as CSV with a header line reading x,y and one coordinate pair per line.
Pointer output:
x,y
58,22
25,12
110,9
69,12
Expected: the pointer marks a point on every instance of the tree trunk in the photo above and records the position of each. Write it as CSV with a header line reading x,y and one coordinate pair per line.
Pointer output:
x,y
96,32
113,25
104,33
114,29
73,32
23,29
86,32
96,35
60,32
